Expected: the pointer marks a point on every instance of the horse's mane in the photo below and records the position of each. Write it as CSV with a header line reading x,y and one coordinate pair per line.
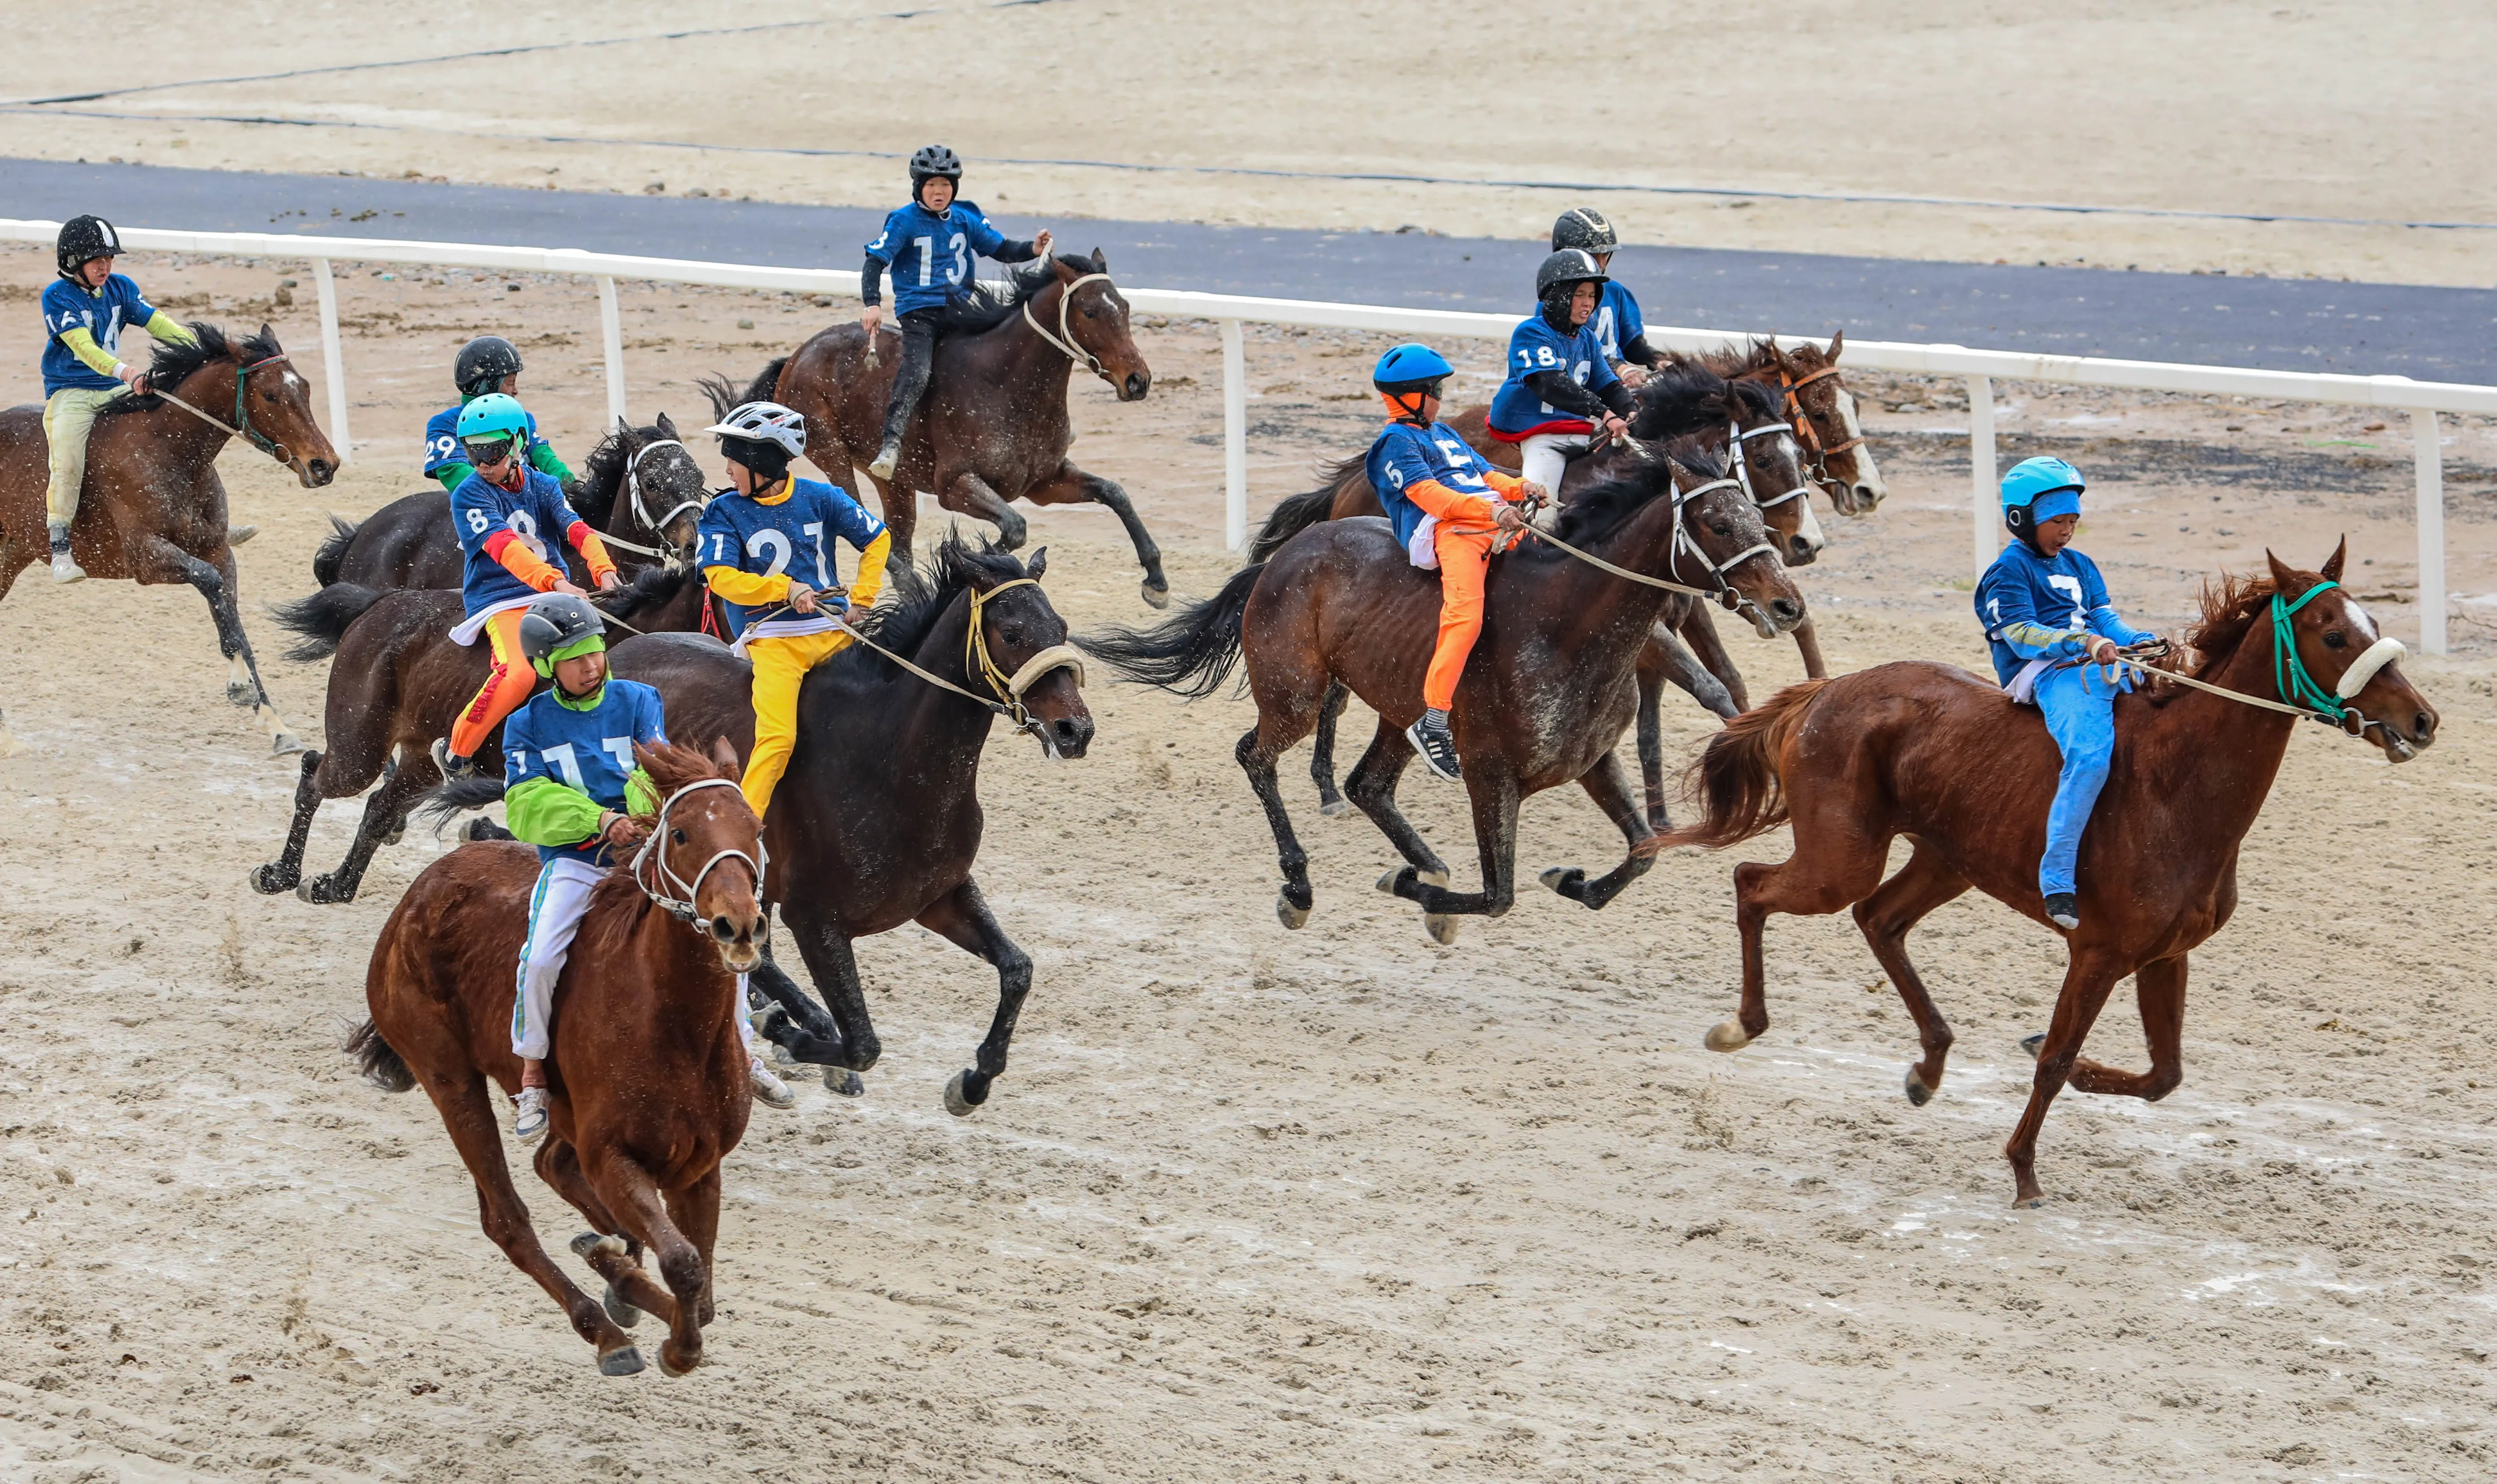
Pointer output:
x,y
603,471
1734,360
2231,605
1594,513
923,591
650,587
671,766
1685,397
723,395
1022,285
174,364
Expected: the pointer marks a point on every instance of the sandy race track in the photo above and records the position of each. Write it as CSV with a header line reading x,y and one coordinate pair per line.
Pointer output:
x,y
1334,1205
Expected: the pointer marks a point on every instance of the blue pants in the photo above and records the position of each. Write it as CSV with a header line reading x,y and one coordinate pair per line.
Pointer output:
x,y
2080,705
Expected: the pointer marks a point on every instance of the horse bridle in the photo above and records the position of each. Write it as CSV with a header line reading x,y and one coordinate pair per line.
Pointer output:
x,y
633,496
1816,454
664,878
1065,339
1008,688
1726,592
1735,435
241,422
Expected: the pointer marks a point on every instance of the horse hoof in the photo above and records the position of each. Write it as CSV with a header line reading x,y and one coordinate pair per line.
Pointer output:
x,y
624,1362
1728,1035
670,1368
283,744
272,879
485,830
395,836
954,1102
1919,1095
781,1059
2034,1044
1336,807
242,693
588,1242
1156,597
319,892
1441,927
1387,883
844,1081
1291,916
625,1314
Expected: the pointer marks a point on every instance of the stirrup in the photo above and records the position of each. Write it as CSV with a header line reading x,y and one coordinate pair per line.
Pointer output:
x,y
1439,751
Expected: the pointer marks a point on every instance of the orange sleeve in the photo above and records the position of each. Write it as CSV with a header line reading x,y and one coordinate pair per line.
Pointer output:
x,y
593,552
507,548
1507,485
1447,504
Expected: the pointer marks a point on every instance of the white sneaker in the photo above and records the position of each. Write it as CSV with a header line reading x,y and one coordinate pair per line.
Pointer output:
x,y
64,570
887,459
529,1115
769,1091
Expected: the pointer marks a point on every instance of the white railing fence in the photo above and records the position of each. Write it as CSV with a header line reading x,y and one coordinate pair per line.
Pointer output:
x,y
2423,400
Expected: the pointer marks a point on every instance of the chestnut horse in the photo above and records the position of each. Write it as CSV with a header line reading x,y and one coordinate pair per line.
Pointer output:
x,y
153,508
993,427
1545,694
1815,400
1934,753
646,1081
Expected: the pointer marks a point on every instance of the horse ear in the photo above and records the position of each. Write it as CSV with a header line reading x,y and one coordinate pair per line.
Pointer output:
x,y
1837,343
1101,264
1038,564
666,426
269,336
2332,563
724,758
1778,355
2282,576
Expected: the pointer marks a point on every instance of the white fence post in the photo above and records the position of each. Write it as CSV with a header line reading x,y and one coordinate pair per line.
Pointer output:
x,y
1986,498
2427,442
1235,438
611,327
333,361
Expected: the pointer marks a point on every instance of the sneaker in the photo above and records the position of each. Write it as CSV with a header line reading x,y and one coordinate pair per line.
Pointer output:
x,y
886,460
1437,747
2063,910
529,1115
769,1091
64,568
453,768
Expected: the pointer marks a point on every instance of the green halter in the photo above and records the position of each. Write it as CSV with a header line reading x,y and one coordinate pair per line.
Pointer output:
x,y
2288,671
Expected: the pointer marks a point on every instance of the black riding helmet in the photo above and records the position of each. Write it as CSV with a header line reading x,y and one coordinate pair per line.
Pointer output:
x,y
932,162
1586,230
82,240
1561,274
555,623
482,365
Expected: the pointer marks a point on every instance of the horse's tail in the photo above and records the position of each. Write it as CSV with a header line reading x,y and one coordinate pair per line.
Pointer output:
x,y
334,550
1191,653
324,618
382,1067
1737,779
438,808
1298,513
722,393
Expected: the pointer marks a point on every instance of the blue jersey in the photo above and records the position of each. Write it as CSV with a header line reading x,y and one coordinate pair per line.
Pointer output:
x,y
104,313
930,255
588,750
1616,321
793,535
2026,600
536,512
442,439
1405,455
1535,346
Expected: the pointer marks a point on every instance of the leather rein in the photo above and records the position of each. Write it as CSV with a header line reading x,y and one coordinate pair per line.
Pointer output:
x,y
241,422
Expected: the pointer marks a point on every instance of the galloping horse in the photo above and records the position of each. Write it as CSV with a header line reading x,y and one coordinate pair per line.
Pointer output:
x,y
1822,410
1934,753
640,488
993,427
397,684
1544,697
647,1089
154,510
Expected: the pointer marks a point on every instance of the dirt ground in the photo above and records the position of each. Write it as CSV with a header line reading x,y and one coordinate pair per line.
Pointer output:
x,y
1330,1205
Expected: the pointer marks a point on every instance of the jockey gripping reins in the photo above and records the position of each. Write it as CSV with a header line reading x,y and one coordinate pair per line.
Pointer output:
x,y
1065,339
241,422
665,879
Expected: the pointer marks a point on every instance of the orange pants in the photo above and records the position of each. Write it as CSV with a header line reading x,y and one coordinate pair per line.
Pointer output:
x,y
1465,555
506,685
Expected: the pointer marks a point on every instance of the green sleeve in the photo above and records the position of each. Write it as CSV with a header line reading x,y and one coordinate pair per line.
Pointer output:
x,y
451,475
544,812
543,459
164,327
641,795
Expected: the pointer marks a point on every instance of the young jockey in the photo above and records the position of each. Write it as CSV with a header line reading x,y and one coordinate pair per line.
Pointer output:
x,y
485,366
2055,636
760,543
505,512
1560,387
571,789
1447,504
1617,323
86,309
928,244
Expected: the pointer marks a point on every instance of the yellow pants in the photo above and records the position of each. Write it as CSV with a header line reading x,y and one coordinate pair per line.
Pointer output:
x,y
780,667
67,415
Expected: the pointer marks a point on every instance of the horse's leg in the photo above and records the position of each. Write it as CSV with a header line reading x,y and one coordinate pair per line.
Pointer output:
x,y
287,871
1494,795
834,970
970,494
800,1027
384,814
2086,983
627,1189
1071,484
217,585
696,1210
961,917
1835,864
1323,749
2159,987
468,1112
1674,661
1373,786
1608,784
558,1164
1922,885
1808,640
1699,630
1259,747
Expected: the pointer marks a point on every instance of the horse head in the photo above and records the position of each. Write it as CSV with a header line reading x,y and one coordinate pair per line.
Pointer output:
x,y
2339,646
253,390
1825,412
1768,464
1677,515
1021,643
1091,319
704,856
654,487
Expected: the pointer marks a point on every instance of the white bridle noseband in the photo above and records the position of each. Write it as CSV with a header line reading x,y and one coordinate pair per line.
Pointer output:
x,y
1065,339
663,877
641,513
1735,437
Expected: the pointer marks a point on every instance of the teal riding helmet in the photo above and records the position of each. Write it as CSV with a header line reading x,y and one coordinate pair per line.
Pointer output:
x,y
2039,489
494,413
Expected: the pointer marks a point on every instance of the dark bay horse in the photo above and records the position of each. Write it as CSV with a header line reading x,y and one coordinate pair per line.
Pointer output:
x,y
639,488
397,684
1934,753
1815,400
153,509
993,427
647,1090
1545,695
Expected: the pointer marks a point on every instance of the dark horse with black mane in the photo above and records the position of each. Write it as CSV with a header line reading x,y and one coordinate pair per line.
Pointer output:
x,y
993,427
639,488
154,510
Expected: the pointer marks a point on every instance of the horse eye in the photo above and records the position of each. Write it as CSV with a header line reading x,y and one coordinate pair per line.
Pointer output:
x,y
1721,528
1013,635
2334,638
679,835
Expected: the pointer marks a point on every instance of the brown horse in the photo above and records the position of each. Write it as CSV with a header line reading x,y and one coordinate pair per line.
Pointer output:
x,y
397,684
1545,695
153,509
1934,753
1816,401
993,427
647,1090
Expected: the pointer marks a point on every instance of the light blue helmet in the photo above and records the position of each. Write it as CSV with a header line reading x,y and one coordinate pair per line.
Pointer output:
x,y
2039,489
1410,368
495,412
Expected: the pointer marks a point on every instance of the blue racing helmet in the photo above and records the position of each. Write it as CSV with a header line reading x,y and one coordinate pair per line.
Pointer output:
x,y
2039,489
1410,368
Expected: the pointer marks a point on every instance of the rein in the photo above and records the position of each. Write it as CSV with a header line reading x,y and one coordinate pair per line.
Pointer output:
x,y
241,422
1065,339
1009,688
2305,696
1724,593
663,877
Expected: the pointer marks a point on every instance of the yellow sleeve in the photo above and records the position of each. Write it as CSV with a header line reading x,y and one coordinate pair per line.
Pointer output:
x,y
81,344
744,589
164,327
870,572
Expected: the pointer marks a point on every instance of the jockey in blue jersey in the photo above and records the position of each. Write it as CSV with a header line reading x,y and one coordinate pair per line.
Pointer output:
x,y
2055,638
1560,387
1619,327
484,366
928,245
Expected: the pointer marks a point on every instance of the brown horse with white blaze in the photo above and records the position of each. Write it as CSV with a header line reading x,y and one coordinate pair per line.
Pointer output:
x,y
647,1090
1935,754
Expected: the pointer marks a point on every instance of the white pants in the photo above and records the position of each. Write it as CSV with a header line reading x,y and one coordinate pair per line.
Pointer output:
x,y
555,910
1545,457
